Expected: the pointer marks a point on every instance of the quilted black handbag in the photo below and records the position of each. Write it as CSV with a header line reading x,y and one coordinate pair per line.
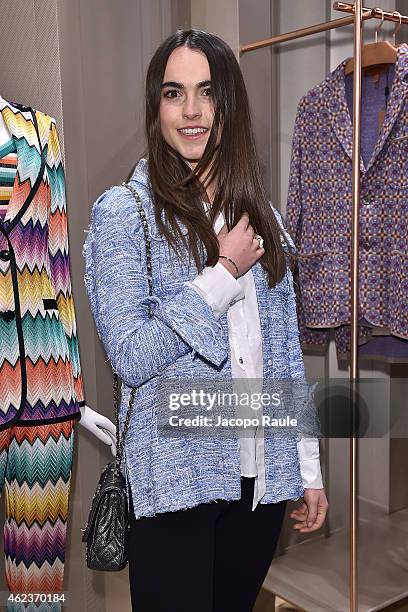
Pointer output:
x,y
106,532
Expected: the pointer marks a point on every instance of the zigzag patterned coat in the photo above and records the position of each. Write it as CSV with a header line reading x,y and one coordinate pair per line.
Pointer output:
x,y
40,372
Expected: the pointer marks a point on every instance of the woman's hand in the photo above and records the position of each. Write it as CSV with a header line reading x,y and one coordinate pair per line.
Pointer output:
x,y
240,245
312,512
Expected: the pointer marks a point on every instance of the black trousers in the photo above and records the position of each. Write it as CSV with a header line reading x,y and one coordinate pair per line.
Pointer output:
x,y
210,558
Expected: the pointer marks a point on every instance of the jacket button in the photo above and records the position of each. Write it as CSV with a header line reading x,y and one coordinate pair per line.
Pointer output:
x,y
269,361
241,360
5,255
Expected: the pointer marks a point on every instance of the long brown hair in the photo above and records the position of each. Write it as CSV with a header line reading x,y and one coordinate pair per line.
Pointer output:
x,y
177,190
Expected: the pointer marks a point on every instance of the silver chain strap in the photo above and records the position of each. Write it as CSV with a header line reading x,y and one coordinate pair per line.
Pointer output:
x,y
120,440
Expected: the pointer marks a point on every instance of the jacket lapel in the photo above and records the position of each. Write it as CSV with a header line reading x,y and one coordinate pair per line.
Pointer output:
x,y
398,93
22,124
339,113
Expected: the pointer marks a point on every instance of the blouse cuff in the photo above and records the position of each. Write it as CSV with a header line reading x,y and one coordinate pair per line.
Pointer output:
x,y
309,459
218,287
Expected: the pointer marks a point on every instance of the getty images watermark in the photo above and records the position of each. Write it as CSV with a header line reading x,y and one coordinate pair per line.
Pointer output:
x,y
211,401
231,407
330,408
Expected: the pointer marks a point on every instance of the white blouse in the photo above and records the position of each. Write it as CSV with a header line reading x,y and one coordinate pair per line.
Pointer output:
x,y
224,293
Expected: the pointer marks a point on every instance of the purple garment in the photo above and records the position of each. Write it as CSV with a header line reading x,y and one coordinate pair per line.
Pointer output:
x,y
386,348
373,100
319,211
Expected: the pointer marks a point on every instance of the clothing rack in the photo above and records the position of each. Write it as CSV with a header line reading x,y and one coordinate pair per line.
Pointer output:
x,y
359,15
324,27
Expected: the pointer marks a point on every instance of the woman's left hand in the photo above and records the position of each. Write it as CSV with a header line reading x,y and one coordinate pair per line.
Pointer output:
x,y
312,513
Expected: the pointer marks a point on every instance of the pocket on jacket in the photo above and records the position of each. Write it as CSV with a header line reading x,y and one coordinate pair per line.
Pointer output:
x,y
56,329
50,304
167,268
324,283
398,290
311,267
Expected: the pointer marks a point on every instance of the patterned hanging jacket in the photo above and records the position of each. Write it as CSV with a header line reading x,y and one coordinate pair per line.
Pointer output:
x,y
40,372
319,215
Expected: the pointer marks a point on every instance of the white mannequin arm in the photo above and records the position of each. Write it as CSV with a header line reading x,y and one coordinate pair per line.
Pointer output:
x,y
100,426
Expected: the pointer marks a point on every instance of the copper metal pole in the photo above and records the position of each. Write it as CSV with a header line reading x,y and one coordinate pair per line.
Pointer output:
x,y
368,13
353,508
376,13
315,29
360,14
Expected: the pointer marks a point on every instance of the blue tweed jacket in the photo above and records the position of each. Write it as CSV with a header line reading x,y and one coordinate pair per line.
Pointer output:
x,y
182,337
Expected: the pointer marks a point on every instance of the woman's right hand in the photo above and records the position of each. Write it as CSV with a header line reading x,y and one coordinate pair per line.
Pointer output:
x,y
240,245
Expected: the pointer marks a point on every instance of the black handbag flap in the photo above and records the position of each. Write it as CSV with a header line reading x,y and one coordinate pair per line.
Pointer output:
x,y
111,480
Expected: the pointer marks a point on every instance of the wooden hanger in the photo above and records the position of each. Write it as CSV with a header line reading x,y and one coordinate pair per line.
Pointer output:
x,y
377,53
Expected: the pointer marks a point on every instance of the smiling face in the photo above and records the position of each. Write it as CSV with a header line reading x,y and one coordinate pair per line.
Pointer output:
x,y
186,104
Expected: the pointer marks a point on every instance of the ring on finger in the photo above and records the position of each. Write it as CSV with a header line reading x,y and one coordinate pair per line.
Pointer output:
x,y
260,240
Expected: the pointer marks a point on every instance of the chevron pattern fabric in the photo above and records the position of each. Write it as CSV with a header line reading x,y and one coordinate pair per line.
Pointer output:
x,y
40,371
35,472
8,171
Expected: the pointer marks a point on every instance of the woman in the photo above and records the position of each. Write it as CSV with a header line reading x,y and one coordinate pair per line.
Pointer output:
x,y
222,306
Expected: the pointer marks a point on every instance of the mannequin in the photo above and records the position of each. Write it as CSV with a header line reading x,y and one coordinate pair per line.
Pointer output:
x,y
99,425
41,386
